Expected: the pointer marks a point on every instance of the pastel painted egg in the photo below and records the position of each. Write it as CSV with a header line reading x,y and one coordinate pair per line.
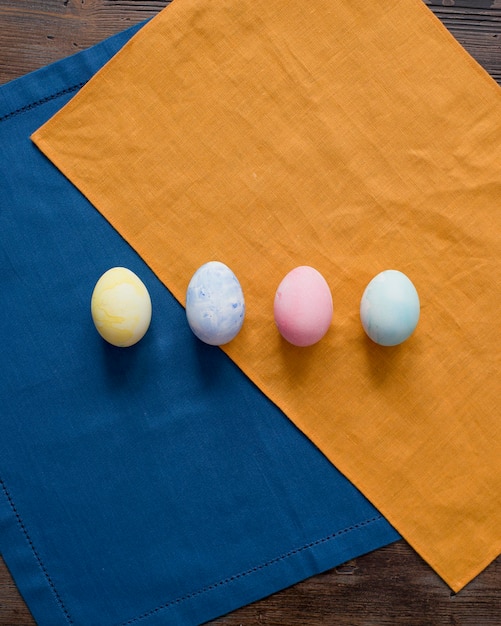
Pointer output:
x,y
215,306
303,306
121,307
390,308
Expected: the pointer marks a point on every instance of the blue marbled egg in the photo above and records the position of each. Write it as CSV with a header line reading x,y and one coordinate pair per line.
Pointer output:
x,y
390,308
215,306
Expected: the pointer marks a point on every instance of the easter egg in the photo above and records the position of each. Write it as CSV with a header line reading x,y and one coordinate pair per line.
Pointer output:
x,y
215,306
390,308
303,306
121,307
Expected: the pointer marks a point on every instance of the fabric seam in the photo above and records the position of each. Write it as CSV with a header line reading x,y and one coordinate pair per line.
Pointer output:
x,y
188,596
252,570
36,103
38,559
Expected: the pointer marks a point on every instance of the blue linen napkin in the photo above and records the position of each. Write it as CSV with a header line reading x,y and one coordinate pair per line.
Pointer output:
x,y
148,485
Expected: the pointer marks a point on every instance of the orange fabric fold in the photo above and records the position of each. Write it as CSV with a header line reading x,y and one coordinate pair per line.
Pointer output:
x,y
355,137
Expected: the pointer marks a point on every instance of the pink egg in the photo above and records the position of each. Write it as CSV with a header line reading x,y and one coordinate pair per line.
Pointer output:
x,y
303,306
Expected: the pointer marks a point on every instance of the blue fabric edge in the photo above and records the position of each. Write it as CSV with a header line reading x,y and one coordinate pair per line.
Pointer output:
x,y
281,572
26,565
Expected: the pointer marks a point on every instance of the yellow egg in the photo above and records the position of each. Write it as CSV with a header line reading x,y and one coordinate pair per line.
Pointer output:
x,y
121,307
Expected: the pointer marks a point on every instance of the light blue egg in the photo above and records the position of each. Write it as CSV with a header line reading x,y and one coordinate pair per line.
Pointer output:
x,y
390,308
215,306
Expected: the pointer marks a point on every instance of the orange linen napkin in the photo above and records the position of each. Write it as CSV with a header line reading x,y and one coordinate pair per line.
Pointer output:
x,y
352,136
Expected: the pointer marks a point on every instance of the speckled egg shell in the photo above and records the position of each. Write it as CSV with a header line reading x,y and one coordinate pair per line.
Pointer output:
x,y
303,306
121,307
215,306
390,308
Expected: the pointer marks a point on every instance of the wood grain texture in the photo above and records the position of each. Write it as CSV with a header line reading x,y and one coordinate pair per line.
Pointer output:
x,y
391,586
35,33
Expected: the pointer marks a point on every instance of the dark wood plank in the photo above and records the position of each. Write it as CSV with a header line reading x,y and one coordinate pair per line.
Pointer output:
x,y
34,33
387,587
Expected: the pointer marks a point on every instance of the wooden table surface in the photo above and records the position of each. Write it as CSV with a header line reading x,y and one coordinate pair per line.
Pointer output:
x,y
392,585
